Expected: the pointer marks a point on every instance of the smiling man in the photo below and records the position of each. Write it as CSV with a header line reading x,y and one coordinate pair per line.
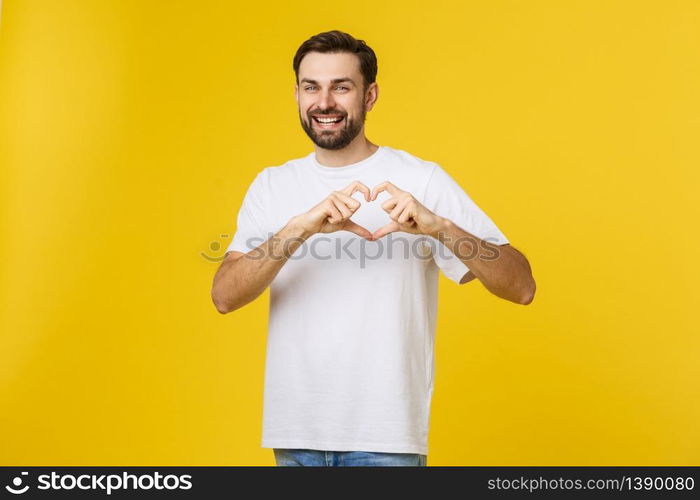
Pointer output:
x,y
349,372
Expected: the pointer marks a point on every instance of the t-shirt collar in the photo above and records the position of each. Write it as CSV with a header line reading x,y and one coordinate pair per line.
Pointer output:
x,y
353,168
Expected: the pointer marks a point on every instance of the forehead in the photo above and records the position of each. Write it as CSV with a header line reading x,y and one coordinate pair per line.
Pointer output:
x,y
325,67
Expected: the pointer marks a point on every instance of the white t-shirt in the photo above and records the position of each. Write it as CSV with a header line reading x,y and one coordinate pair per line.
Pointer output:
x,y
350,364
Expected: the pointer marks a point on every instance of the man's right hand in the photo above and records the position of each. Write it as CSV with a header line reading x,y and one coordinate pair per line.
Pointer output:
x,y
334,212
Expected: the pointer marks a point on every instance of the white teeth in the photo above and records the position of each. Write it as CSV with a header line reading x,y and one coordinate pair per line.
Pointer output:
x,y
328,120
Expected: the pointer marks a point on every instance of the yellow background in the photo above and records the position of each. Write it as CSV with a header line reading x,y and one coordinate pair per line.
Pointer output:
x,y
130,130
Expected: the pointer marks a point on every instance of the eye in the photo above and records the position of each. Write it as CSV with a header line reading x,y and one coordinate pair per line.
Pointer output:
x,y
341,87
309,87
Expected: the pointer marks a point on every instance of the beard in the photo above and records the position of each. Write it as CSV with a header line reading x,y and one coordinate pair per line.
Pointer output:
x,y
333,139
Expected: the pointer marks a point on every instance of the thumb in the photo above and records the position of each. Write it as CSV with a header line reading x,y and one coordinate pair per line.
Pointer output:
x,y
357,229
383,231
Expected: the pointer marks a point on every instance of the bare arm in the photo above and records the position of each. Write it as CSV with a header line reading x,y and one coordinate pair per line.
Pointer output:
x,y
467,278
502,269
242,277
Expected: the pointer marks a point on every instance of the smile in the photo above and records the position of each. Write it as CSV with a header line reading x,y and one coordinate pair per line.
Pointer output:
x,y
328,122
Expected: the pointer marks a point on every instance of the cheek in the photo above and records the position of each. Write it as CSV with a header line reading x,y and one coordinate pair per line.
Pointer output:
x,y
305,104
357,107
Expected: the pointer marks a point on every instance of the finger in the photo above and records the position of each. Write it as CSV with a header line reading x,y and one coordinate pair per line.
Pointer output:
x,y
334,216
389,204
398,209
358,230
341,207
407,214
357,186
385,186
383,231
406,220
350,202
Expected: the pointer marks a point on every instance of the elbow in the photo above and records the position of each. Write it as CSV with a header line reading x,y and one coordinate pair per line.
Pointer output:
x,y
527,299
220,305
529,295
225,307
221,308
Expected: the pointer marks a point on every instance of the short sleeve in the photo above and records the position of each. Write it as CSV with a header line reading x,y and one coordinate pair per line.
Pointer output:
x,y
444,197
250,226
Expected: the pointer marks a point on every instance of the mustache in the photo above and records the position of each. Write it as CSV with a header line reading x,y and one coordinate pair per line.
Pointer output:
x,y
327,112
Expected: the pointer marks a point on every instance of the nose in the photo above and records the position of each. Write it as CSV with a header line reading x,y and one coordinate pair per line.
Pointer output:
x,y
326,100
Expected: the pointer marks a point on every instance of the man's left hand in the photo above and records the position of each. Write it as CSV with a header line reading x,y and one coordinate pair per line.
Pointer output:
x,y
407,214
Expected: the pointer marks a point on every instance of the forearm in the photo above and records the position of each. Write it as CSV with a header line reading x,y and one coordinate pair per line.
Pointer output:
x,y
241,280
503,270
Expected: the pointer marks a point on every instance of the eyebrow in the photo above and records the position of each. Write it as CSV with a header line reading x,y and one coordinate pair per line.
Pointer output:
x,y
333,81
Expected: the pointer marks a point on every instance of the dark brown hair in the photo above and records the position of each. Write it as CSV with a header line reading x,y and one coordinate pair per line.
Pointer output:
x,y
338,41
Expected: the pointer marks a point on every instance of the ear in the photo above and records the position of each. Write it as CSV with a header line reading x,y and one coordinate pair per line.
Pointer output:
x,y
296,93
371,96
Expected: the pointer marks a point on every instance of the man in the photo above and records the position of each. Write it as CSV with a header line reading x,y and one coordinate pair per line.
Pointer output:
x,y
349,368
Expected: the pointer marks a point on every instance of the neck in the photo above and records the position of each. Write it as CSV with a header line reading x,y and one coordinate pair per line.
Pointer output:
x,y
359,149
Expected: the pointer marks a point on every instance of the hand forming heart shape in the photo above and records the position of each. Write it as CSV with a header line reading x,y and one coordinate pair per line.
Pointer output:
x,y
407,214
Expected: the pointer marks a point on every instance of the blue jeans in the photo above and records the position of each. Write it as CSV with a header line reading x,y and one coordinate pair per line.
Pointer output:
x,y
321,458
